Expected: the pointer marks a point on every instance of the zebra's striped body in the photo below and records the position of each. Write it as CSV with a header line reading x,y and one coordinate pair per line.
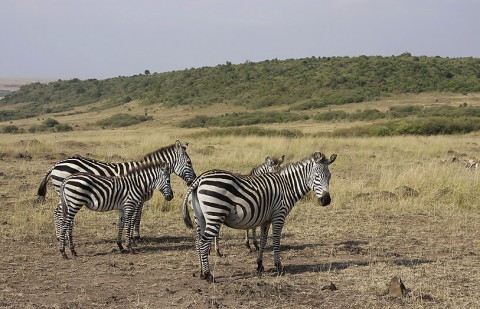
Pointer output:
x,y
102,193
270,165
244,202
176,155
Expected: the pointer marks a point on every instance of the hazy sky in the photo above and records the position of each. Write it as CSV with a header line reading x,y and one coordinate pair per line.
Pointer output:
x,y
107,38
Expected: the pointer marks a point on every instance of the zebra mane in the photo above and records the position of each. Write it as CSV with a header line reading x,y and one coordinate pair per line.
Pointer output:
x,y
293,164
140,167
159,150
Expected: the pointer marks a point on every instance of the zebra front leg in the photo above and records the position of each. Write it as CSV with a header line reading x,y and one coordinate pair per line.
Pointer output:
x,y
277,227
138,218
121,224
263,243
130,221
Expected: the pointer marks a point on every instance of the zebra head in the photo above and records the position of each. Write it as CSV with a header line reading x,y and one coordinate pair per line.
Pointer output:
x,y
321,177
162,181
271,165
183,165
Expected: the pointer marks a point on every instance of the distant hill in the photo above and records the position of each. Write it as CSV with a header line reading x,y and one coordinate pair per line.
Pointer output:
x,y
300,84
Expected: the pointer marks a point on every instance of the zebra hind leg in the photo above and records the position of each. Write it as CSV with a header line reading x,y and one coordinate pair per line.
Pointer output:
x,y
70,238
263,242
254,237
247,241
217,246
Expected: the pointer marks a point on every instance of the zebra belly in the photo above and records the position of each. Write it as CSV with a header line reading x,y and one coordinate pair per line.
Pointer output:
x,y
241,219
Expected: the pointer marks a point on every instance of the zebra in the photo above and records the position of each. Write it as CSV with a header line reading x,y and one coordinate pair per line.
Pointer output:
x,y
244,202
270,165
104,193
176,155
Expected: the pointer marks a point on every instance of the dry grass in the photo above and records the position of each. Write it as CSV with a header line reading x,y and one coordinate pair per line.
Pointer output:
x,y
370,233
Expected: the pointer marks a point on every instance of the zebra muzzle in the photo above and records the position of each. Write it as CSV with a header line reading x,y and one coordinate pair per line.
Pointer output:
x,y
168,196
325,199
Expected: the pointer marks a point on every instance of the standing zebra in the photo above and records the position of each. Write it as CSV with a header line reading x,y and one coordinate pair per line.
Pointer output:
x,y
176,155
270,165
102,193
245,202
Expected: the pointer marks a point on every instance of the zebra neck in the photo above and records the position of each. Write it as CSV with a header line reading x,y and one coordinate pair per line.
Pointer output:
x,y
162,155
297,175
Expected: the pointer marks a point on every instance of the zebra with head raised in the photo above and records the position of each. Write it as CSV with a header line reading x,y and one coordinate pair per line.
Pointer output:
x,y
244,202
176,155
271,165
102,193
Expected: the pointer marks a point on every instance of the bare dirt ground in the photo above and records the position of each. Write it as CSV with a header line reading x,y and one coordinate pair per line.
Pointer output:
x,y
356,246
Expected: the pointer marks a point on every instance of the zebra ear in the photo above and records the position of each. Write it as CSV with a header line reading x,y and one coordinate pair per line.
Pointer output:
x,y
332,158
319,157
280,161
165,166
268,159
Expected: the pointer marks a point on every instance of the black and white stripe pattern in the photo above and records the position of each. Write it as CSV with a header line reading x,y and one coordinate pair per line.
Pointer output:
x,y
244,202
270,165
102,193
176,155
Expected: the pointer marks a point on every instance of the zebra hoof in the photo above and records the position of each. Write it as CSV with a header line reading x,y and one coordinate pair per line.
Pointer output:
x,y
260,268
74,253
64,255
208,277
280,269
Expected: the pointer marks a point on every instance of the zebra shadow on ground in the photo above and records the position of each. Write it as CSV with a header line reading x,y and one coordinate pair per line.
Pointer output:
x,y
151,244
292,269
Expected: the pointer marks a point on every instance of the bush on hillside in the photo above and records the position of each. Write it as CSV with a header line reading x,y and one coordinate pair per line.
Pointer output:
x,y
122,120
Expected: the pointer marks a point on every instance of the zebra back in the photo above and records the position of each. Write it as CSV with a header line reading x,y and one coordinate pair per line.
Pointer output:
x,y
107,192
174,154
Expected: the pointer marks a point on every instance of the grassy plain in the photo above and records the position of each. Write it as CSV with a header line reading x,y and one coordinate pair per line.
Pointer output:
x,y
376,227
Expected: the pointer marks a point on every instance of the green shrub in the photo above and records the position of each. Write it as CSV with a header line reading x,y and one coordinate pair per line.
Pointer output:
x,y
331,116
62,127
50,122
10,129
249,131
241,119
122,120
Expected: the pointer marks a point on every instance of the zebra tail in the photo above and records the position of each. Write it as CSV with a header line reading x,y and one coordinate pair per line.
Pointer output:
x,y
42,189
186,214
63,200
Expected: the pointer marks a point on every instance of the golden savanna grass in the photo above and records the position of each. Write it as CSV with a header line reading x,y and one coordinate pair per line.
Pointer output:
x,y
372,231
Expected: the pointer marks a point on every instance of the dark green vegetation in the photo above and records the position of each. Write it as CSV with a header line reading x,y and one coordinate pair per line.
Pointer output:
x,y
301,84
294,87
246,131
49,124
122,120
241,119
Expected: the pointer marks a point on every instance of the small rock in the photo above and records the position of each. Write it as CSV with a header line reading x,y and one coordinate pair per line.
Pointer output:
x,y
396,288
330,287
